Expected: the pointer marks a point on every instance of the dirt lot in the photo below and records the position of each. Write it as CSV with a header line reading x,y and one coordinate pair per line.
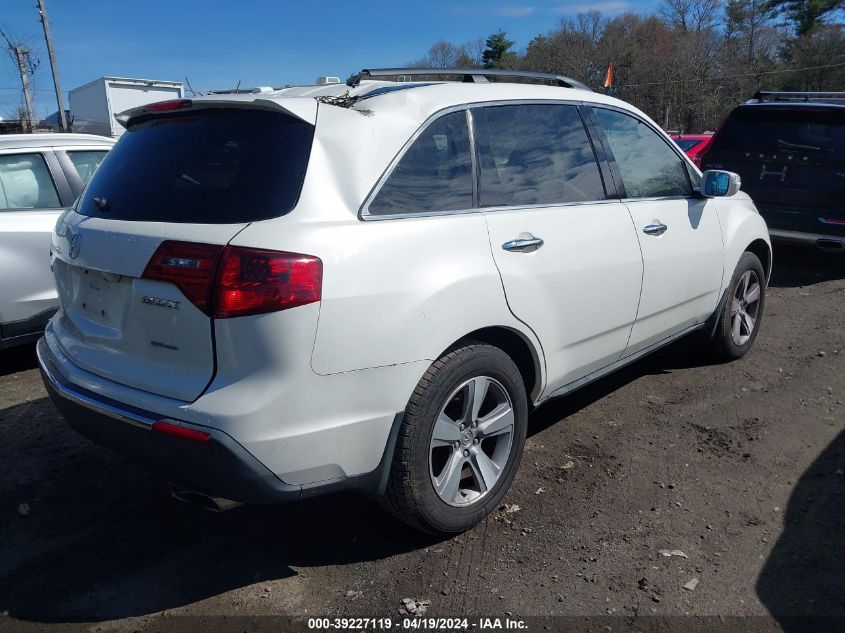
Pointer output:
x,y
738,466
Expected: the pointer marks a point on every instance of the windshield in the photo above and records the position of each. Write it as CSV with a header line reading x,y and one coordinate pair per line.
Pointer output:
x,y
212,166
783,129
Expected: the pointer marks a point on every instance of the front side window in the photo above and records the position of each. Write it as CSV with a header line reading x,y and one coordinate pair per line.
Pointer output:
x,y
435,174
649,167
25,183
86,163
534,154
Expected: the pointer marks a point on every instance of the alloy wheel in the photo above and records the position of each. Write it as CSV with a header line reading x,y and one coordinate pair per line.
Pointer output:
x,y
745,307
471,441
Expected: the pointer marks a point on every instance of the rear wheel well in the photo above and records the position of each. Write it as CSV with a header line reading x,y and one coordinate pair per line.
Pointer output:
x,y
764,254
518,348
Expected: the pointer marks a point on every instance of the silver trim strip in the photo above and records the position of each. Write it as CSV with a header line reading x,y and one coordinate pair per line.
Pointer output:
x,y
83,400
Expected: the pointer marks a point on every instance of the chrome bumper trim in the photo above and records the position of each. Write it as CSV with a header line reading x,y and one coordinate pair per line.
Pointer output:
x,y
84,400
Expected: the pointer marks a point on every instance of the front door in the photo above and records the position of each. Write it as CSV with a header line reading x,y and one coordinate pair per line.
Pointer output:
x,y
679,231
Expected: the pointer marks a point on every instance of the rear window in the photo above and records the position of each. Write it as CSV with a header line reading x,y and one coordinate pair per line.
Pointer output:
x,y
783,129
211,166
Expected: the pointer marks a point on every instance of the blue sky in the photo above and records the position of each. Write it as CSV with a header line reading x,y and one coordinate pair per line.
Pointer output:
x,y
216,43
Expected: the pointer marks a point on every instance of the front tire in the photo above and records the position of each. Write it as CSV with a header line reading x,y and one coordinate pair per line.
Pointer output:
x,y
742,310
461,441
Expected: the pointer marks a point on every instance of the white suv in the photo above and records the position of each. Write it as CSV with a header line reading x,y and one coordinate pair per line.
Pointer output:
x,y
282,293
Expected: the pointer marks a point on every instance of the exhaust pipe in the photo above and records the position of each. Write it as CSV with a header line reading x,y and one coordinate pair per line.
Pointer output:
x,y
207,502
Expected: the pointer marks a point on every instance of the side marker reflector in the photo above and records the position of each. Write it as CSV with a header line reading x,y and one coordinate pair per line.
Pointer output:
x,y
180,431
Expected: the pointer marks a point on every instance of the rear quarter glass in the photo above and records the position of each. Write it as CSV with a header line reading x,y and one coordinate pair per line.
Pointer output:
x,y
210,166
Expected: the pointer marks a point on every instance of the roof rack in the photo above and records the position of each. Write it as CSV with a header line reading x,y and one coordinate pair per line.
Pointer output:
x,y
767,95
467,75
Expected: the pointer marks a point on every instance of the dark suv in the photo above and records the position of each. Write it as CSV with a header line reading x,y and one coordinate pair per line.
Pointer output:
x,y
789,149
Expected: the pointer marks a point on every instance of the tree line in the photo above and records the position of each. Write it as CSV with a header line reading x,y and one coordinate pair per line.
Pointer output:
x,y
688,63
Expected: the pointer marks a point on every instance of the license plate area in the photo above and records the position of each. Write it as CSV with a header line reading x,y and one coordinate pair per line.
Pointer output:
x,y
100,297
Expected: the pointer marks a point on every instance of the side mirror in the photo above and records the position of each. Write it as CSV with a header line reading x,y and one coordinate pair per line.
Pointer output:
x,y
716,183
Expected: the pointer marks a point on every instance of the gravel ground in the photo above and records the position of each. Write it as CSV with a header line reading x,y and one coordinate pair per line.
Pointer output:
x,y
737,468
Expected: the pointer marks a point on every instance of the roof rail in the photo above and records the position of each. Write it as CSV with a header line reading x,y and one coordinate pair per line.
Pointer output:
x,y
468,75
769,95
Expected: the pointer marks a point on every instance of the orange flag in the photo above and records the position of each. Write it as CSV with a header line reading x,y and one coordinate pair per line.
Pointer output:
x,y
608,78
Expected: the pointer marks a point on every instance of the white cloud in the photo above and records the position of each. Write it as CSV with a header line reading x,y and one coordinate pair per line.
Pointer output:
x,y
508,10
603,6
514,11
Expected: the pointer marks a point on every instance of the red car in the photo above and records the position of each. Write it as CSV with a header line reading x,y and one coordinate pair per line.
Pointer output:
x,y
694,145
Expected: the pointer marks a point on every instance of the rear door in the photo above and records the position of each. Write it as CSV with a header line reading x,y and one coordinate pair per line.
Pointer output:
x,y
568,256
33,191
679,231
791,158
135,263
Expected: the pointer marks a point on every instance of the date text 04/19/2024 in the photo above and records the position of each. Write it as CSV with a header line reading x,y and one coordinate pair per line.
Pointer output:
x,y
415,624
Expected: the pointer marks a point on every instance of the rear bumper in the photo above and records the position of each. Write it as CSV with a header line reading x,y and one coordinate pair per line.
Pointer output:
x,y
819,240
220,467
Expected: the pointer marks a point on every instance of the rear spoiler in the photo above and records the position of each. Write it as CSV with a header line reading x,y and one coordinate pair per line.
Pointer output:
x,y
301,108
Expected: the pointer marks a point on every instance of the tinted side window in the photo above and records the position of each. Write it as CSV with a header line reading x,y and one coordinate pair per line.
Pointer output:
x,y
25,183
535,154
435,174
649,167
86,163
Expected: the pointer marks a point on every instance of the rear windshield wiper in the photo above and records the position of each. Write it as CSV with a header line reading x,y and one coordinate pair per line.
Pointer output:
x,y
788,145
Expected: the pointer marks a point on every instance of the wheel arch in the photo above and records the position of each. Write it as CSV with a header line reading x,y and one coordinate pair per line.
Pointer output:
x,y
764,252
520,349
743,229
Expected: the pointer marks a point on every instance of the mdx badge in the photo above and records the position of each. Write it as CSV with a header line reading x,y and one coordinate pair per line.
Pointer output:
x,y
161,303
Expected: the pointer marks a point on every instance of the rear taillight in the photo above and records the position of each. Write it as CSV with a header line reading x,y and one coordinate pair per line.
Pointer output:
x,y
253,281
234,281
188,266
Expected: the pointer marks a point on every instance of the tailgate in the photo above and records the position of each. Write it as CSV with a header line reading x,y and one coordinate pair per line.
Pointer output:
x,y
186,180
139,332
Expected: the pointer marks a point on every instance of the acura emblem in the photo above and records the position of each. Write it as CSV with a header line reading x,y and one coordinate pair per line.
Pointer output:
x,y
75,245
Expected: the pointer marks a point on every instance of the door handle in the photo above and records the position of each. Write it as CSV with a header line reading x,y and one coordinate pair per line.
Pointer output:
x,y
655,229
523,244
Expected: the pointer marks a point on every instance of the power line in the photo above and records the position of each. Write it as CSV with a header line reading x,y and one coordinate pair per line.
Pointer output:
x,y
18,89
767,72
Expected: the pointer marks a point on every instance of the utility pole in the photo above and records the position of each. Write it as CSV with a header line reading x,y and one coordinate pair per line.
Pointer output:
x,y
21,53
42,11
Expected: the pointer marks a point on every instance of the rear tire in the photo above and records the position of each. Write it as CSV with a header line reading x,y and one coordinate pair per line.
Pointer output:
x,y
460,442
741,312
